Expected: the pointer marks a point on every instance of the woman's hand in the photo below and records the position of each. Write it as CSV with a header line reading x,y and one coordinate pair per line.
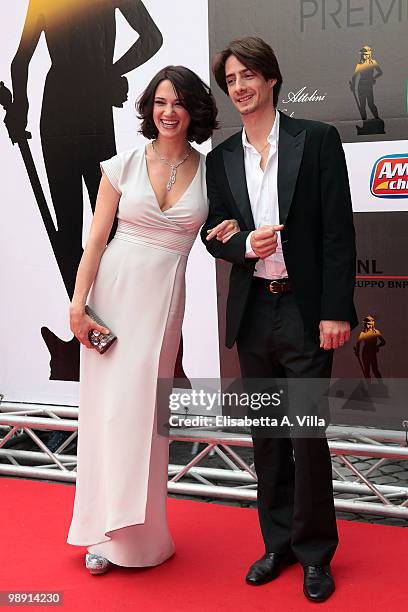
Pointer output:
x,y
81,324
224,230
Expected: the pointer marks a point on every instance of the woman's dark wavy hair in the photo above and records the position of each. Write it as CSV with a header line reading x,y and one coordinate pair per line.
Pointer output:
x,y
194,94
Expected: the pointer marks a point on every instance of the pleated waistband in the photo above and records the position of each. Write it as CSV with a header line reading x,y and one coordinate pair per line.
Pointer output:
x,y
166,239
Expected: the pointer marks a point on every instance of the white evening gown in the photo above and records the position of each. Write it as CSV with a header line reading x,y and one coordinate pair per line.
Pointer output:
x,y
121,490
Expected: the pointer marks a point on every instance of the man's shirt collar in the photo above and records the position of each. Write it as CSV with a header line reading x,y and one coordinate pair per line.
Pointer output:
x,y
272,138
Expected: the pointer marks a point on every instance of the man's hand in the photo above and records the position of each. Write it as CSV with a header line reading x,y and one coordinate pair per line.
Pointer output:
x,y
224,230
333,334
265,240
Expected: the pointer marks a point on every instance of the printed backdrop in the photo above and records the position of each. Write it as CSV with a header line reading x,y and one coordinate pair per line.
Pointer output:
x,y
343,62
64,45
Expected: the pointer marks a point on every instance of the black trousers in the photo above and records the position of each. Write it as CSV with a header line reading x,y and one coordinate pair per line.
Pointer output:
x,y
295,493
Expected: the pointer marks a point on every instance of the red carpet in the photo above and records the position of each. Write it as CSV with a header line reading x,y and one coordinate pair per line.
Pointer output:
x,y
215,545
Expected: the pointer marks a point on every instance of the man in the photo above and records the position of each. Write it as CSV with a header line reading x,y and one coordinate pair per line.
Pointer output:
x,y
290,299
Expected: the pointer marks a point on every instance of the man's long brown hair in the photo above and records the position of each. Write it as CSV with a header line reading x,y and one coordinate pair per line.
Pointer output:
x,y
255,54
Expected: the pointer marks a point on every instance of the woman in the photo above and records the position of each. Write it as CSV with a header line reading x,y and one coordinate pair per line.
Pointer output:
x,y
158,194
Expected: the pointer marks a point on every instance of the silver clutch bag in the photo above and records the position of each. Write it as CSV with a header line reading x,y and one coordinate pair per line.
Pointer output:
x,y
101,342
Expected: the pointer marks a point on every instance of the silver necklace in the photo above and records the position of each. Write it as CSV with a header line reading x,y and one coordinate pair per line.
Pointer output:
x,y
173,167
263,148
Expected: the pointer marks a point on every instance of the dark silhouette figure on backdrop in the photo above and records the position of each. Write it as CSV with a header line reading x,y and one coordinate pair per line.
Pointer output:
x,y
367,72
372,340
76,127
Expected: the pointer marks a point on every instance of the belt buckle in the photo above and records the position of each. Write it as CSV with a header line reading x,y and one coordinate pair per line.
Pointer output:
x,y
274,286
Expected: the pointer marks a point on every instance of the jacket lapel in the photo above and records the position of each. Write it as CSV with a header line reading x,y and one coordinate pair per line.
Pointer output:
x,y
290,153
235,171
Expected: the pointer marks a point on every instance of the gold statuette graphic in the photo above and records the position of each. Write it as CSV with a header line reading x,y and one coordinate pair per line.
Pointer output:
x,y
371,340
362,83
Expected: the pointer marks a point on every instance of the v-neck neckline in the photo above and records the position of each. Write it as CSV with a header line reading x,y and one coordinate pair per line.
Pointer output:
x,y
187,189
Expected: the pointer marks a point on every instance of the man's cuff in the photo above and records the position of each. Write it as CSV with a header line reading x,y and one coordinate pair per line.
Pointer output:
x,y
248,249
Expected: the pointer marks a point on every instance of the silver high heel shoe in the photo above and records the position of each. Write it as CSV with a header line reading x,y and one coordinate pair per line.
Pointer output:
x,y
96,564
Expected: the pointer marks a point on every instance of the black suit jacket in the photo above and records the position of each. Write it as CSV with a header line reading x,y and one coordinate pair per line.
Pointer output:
x,y
314,205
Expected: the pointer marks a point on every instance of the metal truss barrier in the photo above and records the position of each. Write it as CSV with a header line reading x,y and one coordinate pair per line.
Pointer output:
x,y
237,480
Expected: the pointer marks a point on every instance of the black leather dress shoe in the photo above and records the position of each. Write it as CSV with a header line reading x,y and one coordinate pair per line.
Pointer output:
x,y
318,583
268,567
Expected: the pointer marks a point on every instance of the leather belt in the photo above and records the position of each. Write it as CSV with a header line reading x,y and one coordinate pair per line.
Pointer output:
x,y
282,285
